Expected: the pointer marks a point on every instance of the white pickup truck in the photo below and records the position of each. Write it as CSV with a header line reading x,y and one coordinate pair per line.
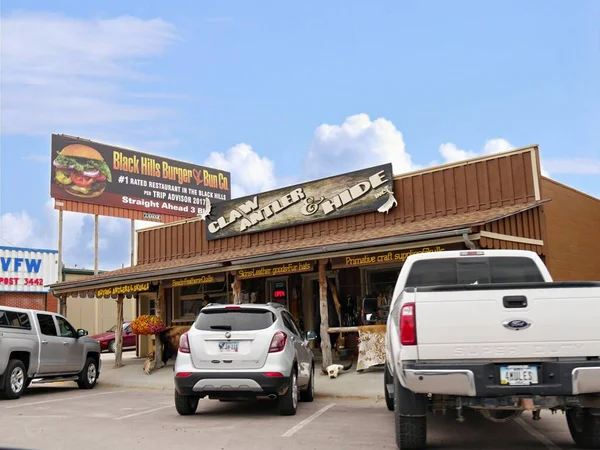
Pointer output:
x,y
489,330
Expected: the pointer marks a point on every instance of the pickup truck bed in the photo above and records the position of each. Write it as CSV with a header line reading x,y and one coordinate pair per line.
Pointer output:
x,y
541,331
497,347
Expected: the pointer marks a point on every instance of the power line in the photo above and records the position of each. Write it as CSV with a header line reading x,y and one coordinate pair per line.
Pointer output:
x,y
6,240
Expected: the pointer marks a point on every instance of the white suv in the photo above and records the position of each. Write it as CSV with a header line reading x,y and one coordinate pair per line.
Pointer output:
x,y
239,352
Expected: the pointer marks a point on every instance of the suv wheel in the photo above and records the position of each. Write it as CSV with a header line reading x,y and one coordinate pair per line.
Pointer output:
x,y
308,395
186,405
89,375
15,380
288,403
584,427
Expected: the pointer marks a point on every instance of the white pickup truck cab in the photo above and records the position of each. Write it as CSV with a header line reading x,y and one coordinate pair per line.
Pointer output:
x,y
489,330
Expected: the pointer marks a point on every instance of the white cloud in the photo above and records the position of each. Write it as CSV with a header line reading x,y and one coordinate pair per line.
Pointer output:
x,y
142,224
357,143
23,230
582,166
250,173
451,153
61,72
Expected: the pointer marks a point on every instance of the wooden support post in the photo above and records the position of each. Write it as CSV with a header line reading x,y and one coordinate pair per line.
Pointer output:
x,y
325,338
62,305
119,333
62,301
157,362
132,250
236,286
96,244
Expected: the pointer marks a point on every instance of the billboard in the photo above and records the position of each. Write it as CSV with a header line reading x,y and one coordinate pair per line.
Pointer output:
x,y
359,192
27,269
90,172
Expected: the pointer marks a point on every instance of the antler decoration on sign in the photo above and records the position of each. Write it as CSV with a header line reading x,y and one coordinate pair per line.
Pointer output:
x,y
206,212
389,203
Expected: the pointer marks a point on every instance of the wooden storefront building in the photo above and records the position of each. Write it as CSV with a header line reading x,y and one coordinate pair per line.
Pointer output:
x,y
351,234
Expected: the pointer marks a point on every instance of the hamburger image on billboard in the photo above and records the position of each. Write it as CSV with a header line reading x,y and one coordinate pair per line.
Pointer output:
x,y
81,171
89,172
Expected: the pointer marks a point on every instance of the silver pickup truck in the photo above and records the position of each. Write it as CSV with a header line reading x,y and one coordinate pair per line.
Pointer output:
x,y
43,346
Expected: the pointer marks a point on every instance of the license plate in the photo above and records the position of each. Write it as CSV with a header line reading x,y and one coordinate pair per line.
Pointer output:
x,y
228,346
518,375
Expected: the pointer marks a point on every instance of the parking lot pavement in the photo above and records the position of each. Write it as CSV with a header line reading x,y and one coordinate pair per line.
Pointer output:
x,y
62,417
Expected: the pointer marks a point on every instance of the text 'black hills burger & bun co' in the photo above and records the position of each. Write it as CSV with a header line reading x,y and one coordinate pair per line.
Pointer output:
x,y
81,171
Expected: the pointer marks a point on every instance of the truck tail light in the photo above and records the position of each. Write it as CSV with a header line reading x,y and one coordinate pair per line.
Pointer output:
x,y
472,253
408,324
184,343
278,342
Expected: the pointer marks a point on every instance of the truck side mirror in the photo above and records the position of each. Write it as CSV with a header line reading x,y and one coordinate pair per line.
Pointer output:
x,y
81,332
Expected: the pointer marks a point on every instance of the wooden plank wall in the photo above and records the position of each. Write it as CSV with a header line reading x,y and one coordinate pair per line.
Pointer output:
x,y
527,224
479,185
572,233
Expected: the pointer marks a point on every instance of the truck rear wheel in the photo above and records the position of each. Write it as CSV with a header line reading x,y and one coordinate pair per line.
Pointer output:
x,y
411,426
584,428
388,379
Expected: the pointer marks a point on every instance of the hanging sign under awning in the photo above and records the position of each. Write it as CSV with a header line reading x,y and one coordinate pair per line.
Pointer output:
x,y
367,259
283,269
201,279
123,289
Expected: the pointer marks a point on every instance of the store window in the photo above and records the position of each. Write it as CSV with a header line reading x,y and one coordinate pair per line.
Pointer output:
x,y
189,300
381,283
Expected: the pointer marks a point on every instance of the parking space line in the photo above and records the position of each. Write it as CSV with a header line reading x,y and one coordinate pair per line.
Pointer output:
x,y
536,434
142,412
306,421
63,399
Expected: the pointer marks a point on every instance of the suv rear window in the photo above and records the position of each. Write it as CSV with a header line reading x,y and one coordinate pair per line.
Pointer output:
x,y
12,319
235,320
469,270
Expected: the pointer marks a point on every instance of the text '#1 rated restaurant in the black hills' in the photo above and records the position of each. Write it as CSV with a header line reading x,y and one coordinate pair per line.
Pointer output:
x,y
330,250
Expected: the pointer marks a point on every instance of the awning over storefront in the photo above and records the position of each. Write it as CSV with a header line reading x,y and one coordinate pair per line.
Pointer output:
x,y
469,226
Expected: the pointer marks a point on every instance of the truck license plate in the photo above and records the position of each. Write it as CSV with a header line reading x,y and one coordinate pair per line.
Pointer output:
x,y
228,346
518,375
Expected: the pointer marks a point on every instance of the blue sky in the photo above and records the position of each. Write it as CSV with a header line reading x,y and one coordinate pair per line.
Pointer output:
x,y
276,93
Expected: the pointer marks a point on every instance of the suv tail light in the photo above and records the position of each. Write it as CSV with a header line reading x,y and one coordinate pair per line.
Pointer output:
x,y
408,324
184,343
278,342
